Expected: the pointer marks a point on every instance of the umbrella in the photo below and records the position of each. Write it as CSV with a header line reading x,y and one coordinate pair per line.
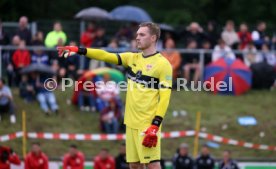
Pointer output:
x,y
93,13
263,75
40,68
130,13
166,27
228,70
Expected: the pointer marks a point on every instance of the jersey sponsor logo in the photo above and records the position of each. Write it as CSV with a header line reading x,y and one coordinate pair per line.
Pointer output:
x,y
147,157
138,74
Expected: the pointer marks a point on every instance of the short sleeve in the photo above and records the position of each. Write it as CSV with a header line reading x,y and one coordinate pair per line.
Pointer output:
x,y
165,77
123,58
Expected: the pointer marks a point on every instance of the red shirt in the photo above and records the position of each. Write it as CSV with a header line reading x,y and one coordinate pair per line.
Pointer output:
x,y
33,161
76,162
13,159
86,39
245,38
21,58
108,163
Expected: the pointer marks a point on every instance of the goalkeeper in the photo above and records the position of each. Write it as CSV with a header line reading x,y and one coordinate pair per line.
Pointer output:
x,y
149,88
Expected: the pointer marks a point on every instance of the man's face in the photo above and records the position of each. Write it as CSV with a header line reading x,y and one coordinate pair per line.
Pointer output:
x,y
72,151
103,154
35,148
144,39
226,156
205,151
183,151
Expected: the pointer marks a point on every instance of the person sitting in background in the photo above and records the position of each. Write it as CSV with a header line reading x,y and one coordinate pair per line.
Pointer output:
x,y
250,55
54,36
191,62
259,36
244,36
36,159
40,57
181,159
23,31
222,50
38,39
227,162
8,157
26,90
206,45
193,32
86,94
104,160
72,63
6,101
74,159
88,36
110,117
267,56
21,58
43,95
211,35
229,35
120,160
4,37
205,161
173,56
106,91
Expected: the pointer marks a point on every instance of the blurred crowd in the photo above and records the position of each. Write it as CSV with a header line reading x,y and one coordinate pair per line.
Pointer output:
x,y
74,159
251,46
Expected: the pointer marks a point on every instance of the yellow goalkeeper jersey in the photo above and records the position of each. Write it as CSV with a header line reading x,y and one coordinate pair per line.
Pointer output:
x,y
149,85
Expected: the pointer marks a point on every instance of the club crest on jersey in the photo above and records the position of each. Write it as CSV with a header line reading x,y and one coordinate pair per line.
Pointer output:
x,y
148,67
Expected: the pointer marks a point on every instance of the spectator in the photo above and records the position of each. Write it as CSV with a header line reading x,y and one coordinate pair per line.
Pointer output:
x,y
121,158
74,159
16,40
107,90
86,94
99,42
23,32
4,38
38,39
26,90
72,63
104,160
222,50
229,35
88,36
182,160
267,56
227,162
110,117
8,157
191,62
43,95
211,34
193,32
36,159
259,36
250,55
244,36
205,161
173,56
21,58
40,57
55,36
6,101
206,45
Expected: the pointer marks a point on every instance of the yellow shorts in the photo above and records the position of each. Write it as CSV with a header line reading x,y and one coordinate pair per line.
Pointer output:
x,y
136,152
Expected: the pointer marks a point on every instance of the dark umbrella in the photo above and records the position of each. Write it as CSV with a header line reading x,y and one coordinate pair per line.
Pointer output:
x,y
93,13
39,68
130,13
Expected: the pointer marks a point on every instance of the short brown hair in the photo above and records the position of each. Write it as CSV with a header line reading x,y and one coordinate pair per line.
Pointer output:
x,y
153,28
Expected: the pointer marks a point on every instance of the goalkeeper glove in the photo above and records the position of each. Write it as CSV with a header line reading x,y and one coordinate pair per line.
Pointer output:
x,y
150,139
66,51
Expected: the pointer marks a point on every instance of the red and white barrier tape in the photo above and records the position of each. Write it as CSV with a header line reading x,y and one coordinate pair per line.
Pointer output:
x,y
11,136
100,137
235,142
